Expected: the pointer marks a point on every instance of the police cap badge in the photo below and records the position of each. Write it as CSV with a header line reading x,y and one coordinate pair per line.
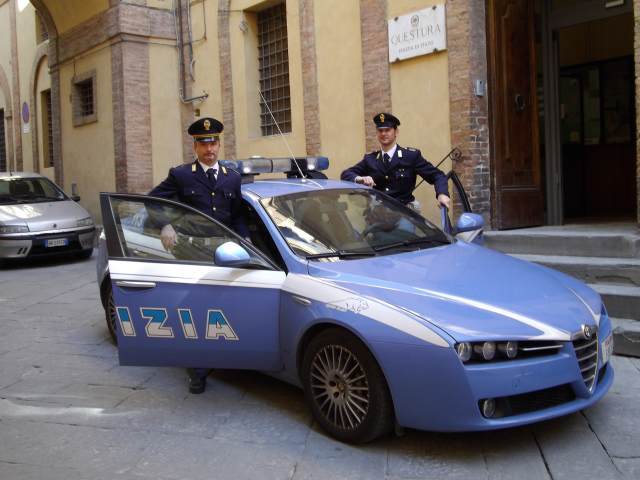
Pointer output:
x,y
205,130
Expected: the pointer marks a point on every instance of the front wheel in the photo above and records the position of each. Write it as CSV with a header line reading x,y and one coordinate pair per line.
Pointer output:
x,y
345,387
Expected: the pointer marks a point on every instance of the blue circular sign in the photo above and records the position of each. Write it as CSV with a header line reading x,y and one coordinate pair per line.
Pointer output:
x,y
25,112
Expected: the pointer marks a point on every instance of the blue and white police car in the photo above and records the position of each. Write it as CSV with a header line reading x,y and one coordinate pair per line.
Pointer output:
x,y
380,316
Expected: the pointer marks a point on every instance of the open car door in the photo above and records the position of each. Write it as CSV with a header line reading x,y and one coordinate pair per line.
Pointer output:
x,y
176,306
469,226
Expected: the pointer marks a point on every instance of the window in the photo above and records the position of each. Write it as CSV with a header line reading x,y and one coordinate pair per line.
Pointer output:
x,y
3,146
273,59
140,222
47,129
84,99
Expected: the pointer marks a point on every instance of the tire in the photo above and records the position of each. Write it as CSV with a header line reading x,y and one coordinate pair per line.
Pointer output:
x,y
345,388
84,254
110,312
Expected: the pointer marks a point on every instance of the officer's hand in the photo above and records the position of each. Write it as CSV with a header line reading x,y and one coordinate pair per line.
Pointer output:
x,y
368,181
444,200
168,237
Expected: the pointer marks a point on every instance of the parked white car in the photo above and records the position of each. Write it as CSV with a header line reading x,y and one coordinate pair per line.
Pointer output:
x,y
37,218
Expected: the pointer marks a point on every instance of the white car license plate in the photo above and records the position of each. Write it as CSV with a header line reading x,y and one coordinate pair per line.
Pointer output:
x,y
607,348
57,242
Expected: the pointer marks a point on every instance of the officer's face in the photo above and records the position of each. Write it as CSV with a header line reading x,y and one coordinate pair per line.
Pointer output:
x,y
207,152
386,137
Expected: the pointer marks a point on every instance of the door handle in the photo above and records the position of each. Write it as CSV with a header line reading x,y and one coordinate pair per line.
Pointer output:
x,y
520,104
131,284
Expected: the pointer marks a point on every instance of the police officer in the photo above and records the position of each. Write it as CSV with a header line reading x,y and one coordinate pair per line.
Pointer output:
x,y
393,168
209,187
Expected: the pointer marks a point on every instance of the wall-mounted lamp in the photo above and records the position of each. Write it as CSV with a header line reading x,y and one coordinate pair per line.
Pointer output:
x,y
243,26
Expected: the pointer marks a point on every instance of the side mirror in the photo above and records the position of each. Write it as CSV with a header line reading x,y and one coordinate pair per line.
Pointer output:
x,y
230,254
469,222
75,198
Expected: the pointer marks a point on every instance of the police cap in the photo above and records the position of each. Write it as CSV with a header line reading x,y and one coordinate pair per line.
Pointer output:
x,y
205,130
386,120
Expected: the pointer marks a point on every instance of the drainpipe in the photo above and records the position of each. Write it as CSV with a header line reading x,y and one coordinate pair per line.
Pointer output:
x,y
178,22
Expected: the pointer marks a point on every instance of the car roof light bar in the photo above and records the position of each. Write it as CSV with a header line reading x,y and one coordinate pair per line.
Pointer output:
x,y
257,165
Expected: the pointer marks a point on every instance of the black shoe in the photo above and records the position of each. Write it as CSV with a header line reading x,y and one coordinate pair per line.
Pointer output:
x,y
197,385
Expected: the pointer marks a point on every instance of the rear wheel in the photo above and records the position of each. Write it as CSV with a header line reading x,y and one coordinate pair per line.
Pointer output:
x,y
111,316
345,387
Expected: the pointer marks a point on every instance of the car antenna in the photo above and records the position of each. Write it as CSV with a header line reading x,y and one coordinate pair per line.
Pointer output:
x,y
282,136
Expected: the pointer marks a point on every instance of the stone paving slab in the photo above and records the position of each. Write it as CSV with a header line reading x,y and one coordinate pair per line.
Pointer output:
x,y
68,410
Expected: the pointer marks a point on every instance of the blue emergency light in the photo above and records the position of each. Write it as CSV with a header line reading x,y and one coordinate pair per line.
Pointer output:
x,y
290,166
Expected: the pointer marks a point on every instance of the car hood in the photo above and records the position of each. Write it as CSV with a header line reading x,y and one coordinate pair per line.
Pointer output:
x,y
470,292
44,215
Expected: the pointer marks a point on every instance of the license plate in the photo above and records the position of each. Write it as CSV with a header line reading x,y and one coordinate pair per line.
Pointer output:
x,y
57,242
607,349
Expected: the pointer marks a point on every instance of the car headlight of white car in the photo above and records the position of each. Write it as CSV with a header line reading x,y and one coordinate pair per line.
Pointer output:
x,y
85,222
13,229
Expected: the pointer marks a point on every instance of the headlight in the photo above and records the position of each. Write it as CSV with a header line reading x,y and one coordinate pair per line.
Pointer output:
x,y
486,351
464,351
13,229
85,222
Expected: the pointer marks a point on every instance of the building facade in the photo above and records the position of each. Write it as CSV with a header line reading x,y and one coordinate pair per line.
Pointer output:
x,y
539,96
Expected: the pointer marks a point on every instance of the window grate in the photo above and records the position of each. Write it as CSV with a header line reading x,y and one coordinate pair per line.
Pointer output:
x,y
273,59
3,146
85,97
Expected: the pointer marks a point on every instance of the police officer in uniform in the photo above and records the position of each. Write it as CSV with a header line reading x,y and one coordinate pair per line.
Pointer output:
x,y
206,186
393,169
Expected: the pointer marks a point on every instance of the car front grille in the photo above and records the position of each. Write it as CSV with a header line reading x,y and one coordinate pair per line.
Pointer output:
x,y
587,356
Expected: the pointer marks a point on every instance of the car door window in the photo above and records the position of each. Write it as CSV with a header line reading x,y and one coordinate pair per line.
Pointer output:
x,y
141,223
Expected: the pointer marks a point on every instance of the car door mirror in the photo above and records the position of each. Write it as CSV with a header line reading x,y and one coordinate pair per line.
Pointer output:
x,y
230,254
469,222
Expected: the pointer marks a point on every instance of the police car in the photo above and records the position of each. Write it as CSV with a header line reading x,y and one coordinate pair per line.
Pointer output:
x,y
381,317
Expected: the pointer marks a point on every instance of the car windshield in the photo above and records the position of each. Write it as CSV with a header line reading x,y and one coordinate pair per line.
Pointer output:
x,y
15,190
349,223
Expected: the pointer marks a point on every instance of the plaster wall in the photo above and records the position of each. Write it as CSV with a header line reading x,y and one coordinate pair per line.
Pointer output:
x,y
69,14
166,137
88,150
340,90
420,99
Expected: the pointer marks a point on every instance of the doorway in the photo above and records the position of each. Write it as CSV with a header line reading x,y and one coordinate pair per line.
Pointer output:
x,y
597,119
590,136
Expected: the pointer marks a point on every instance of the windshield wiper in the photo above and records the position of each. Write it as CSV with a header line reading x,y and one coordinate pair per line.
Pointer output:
x,y
411,243
340,254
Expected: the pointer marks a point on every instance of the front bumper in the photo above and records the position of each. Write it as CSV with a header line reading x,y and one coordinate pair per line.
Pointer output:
x,y
433,390
37,244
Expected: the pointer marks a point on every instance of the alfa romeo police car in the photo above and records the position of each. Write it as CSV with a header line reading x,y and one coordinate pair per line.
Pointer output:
x,y
380,316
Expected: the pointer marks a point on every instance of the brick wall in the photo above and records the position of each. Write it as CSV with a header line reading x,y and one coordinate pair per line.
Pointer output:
x,y
226,79
375,64
310,78
466,39
131,116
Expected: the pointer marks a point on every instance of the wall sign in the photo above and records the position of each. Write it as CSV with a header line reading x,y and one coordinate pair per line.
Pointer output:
x,y
418,33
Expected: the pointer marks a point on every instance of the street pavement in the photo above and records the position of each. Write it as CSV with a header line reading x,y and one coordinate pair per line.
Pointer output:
x,y
69,411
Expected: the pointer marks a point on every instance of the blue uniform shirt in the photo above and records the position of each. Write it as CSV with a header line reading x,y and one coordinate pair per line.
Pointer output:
x,y
398,177
189,184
